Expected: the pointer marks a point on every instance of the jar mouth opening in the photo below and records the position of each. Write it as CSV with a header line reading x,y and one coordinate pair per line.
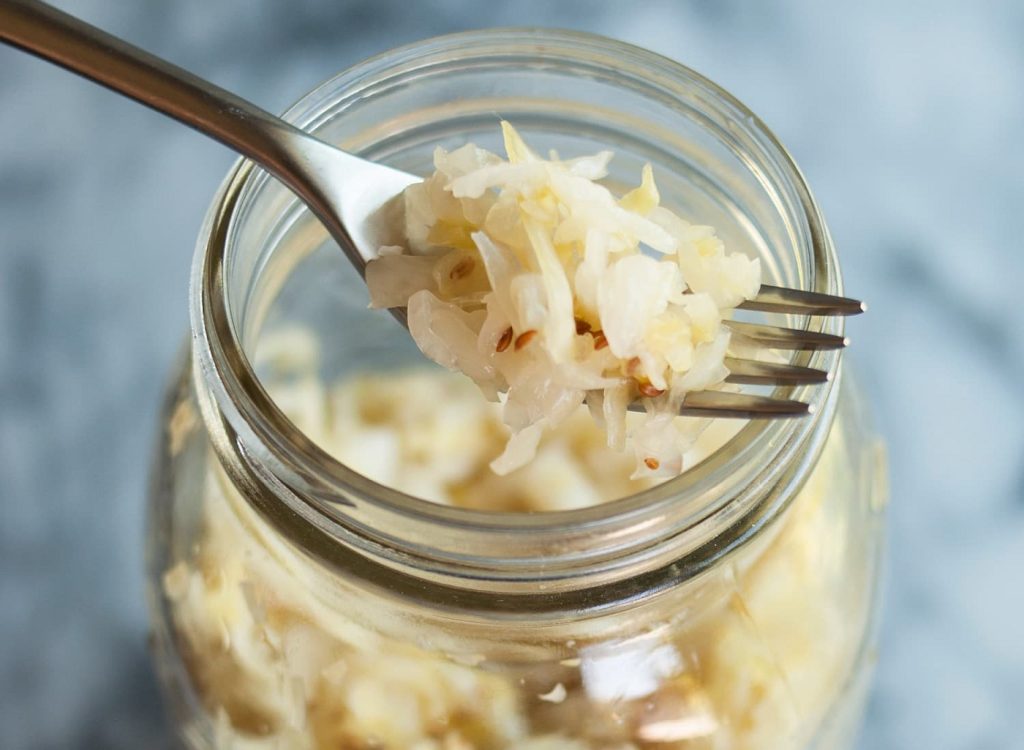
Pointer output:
x,y
751,461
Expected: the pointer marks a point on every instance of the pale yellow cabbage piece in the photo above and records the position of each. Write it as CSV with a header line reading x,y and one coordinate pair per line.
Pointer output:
x,y
532,278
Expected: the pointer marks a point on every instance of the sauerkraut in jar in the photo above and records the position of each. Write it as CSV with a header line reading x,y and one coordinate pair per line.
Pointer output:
x,y
334,562
529,277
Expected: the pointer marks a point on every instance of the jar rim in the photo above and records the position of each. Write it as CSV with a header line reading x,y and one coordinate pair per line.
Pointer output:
x,y
699,504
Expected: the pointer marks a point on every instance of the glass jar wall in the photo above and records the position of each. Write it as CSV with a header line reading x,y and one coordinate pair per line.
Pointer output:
x,y
299,604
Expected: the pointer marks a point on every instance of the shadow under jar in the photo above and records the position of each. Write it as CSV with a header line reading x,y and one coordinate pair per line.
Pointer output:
x,y
298,604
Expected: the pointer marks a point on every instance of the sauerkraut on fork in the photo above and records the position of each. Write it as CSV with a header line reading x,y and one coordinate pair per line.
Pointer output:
x,y
532,278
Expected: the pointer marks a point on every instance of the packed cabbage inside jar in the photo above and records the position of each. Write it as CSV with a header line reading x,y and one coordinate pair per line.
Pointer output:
x,y
556,305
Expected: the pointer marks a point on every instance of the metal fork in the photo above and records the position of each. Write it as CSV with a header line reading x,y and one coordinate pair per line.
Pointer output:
x,y
350,196
774,299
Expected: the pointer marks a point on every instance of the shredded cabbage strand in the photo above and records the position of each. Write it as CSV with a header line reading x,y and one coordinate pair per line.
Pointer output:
x,y
533,279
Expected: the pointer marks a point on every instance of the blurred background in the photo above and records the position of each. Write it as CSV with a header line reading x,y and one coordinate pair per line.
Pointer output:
x,y
907,120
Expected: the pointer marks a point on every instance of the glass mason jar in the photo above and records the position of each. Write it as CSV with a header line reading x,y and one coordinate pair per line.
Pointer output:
x,y
298,604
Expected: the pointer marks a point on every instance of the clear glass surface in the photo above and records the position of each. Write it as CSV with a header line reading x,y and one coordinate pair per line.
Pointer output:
x,y
291,613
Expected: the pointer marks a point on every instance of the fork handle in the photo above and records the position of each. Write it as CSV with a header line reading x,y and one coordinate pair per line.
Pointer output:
x,y
53,35
282,149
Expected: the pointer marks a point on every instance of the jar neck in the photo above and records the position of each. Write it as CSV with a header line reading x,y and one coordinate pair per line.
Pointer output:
x,y
601,556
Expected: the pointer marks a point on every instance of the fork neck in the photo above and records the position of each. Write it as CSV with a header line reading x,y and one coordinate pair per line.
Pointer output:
x,y
556,86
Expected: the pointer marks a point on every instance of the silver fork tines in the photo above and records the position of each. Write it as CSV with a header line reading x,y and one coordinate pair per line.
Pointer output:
x,y
773,299
774,337
741,406
782,300
753,372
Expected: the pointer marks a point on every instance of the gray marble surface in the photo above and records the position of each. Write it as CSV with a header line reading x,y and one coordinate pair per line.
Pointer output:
x,y
907,119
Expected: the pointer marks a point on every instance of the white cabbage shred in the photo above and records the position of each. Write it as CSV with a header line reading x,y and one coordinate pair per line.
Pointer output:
x,y
533,279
